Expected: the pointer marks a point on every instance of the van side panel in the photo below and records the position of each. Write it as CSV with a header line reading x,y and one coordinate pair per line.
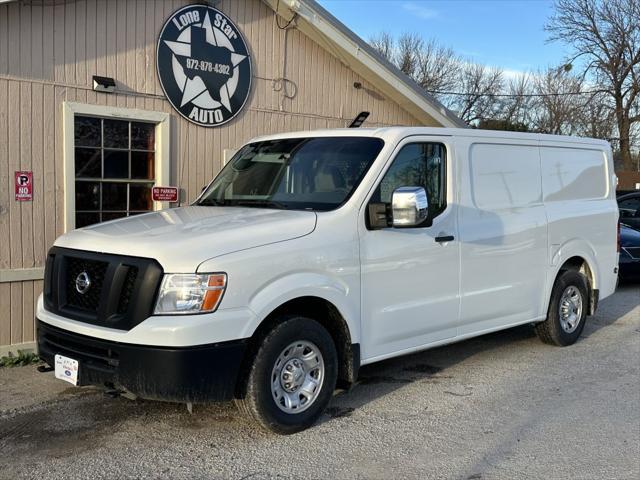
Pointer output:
x,y
582,211
503,237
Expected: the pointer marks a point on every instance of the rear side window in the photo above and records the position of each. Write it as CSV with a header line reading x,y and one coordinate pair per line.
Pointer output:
x,y
417,165
505,176
573,174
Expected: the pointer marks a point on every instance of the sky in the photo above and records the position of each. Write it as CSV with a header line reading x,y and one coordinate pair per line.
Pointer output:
x,y
503,33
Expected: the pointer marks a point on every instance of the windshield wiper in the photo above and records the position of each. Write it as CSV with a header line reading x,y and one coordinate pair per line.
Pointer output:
x,y
261,203
212,202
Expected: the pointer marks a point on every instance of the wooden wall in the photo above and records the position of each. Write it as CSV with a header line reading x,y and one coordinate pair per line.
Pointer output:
x,y
50,51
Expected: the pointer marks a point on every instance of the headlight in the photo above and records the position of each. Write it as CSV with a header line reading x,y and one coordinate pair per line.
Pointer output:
x,y
190,293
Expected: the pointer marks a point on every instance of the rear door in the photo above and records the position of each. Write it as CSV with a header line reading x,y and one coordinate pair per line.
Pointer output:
x,y
410,276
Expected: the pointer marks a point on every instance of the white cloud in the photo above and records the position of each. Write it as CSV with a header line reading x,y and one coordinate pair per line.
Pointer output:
x,y
510,74
421,11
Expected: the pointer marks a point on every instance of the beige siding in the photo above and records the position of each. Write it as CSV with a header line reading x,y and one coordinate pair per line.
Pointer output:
x,y
48,54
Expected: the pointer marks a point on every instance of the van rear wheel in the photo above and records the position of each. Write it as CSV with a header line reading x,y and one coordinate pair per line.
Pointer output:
x,y
567,310
292,376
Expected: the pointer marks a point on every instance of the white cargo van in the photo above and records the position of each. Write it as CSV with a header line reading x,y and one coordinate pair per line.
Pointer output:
x,y
314,253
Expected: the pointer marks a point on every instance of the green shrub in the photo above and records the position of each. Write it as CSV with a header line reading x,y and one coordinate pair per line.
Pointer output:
x,y
21,359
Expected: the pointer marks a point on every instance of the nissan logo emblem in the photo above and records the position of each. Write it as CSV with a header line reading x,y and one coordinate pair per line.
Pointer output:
x,y
83,282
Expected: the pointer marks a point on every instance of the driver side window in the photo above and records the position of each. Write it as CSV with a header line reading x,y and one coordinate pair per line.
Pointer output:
x,y
417,165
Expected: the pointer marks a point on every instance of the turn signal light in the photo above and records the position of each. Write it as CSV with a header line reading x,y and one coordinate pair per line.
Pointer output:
x,y
215,290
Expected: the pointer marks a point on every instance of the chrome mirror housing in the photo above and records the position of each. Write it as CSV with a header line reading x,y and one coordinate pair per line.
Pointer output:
x,y
409,206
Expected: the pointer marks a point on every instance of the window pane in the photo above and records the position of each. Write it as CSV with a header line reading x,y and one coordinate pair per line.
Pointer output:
x,y
116,133
113,215
88,163
142,165
140,197
114,196
417,165
116,164
87,131
84,219
143,136
630,208
87,196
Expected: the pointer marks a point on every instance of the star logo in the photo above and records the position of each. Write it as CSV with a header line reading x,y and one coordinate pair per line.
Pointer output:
x,y
204,65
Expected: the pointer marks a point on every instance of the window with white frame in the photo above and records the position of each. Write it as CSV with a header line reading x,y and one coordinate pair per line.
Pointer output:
x,y
113,157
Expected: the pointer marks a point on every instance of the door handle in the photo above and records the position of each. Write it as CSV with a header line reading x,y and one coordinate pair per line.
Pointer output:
x,y
445,238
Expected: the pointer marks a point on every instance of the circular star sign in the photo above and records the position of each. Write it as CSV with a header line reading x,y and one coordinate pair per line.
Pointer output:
x,y
204,65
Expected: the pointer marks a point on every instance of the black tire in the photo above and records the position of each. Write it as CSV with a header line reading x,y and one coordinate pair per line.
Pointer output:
x,y
256,399
551,330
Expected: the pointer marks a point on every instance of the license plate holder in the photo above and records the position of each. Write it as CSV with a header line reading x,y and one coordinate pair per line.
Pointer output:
x,y
66,369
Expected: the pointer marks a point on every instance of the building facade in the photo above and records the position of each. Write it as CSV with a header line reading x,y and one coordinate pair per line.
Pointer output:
x,y
72,153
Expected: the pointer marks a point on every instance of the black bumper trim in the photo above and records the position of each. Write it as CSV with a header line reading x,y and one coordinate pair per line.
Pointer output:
x,y
203,373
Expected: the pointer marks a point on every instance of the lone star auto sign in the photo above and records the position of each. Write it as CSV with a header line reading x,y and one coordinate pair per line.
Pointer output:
x,y
204,65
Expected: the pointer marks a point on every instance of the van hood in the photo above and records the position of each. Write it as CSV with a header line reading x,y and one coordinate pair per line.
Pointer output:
x,y
182,238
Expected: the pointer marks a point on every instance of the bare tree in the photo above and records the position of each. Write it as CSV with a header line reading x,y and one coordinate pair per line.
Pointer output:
x,y
438,67
434,67
480,85
516,109
408,53
384,44
557,110
597,117
607,34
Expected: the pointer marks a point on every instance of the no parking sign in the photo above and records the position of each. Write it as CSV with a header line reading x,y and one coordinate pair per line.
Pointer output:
x,y
24,186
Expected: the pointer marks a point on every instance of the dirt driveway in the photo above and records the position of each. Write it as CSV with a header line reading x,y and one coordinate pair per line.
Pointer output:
x,y
500,406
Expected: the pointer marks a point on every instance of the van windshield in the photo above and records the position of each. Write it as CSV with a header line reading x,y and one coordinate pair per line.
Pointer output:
x,y
297,174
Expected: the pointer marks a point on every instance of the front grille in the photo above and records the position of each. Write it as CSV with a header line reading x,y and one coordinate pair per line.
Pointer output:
x,y
633,251
127,289
90,300
121,293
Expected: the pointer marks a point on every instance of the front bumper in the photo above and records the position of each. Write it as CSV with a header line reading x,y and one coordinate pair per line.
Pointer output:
x,y
203,373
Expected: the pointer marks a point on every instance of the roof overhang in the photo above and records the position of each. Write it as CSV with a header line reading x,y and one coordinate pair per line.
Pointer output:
x,y
322,27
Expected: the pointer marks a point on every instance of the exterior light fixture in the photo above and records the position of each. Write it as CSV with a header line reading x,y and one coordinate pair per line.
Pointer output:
x,y
104,84
359,120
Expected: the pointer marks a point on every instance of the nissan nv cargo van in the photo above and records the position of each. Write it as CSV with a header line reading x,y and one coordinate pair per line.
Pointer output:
x,y
313,253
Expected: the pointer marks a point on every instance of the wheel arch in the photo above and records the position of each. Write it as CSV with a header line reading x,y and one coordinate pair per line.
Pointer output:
x,y
581,264
324,312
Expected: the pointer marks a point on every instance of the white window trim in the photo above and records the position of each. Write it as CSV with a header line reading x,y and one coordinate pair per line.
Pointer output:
x,y
162,153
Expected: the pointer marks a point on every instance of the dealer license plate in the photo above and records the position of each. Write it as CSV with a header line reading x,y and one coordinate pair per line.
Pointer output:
x,y
66,369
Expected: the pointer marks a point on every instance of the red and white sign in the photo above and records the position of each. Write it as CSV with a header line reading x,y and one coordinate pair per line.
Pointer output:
x,y
24,186
164,194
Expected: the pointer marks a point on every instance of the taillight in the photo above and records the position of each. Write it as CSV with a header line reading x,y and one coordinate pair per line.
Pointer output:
x,y
618,237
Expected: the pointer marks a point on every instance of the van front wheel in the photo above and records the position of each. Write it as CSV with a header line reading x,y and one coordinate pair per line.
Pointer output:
x,y
567,310
292,377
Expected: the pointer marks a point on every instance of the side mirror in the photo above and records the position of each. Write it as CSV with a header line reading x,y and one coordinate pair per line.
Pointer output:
x,y
409,206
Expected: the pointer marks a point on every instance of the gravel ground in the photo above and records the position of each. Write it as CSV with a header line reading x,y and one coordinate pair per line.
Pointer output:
x,y
499,406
